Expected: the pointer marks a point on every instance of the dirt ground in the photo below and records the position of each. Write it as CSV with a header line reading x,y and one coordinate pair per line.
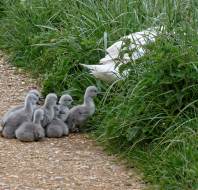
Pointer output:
x,y
70,163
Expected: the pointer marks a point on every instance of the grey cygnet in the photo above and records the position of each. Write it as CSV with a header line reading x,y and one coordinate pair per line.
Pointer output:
x,y
57,128
31,131
48,108
18,117
7,114
78,115
64,103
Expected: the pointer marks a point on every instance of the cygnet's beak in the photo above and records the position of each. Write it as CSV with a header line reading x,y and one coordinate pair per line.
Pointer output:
x,y
98,93
70,102
41,100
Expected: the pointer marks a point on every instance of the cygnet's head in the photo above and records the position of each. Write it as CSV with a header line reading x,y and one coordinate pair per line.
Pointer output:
x,y
38,115
91,91
51,99
35,92
31,98
65,100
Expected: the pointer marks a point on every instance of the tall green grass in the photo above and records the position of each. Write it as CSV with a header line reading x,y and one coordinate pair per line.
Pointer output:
x,y
150,117
155,122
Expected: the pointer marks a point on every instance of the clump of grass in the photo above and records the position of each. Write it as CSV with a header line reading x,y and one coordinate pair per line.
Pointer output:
x,y
151,116
159,97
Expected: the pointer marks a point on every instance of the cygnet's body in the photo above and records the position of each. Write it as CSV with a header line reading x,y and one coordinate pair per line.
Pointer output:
x,y
57,128
18,117
78,115
64,103
48,108
31,131
19,107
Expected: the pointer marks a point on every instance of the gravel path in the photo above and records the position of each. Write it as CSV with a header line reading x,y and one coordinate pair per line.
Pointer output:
x,y
71,163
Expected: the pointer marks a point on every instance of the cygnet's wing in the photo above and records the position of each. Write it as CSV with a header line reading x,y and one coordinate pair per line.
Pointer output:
x,y
80,114
18,117
25,132
14,121
9,112
70,121
54,129
77,118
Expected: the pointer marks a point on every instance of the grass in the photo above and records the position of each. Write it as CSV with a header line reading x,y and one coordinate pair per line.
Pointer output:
x,y
155,123
150,118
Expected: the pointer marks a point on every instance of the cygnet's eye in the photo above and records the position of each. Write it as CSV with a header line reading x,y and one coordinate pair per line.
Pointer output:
x,y
94,91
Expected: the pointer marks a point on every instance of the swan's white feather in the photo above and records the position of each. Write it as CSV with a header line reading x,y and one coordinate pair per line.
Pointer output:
x,y
107,69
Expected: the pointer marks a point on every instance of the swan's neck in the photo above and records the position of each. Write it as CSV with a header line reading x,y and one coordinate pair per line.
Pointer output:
x,y
28,107
88,102
37,121
50,109
48,106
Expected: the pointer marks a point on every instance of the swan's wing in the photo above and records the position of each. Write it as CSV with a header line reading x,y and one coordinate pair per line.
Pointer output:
x,y
137,39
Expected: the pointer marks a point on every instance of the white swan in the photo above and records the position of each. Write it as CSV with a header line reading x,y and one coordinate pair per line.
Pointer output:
x,y
108,70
